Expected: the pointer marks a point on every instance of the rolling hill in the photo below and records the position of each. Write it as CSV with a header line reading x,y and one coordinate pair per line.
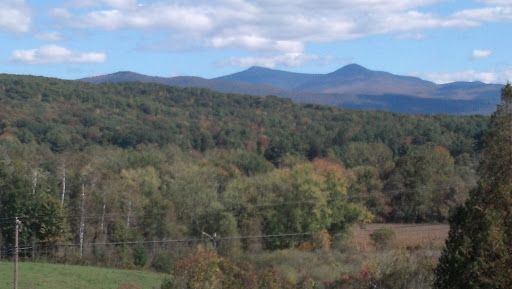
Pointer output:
x,y
351,86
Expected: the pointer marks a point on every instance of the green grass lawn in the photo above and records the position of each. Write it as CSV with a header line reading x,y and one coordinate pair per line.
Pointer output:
x,y
52,276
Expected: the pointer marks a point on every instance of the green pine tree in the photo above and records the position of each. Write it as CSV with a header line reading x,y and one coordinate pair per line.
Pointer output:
x,y
478,252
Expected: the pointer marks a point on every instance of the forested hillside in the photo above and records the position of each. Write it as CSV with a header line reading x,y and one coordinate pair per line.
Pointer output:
x,y
87,167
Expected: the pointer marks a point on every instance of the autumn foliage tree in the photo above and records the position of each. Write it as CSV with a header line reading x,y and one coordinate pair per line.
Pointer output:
x,y
295,201
478,252
205,269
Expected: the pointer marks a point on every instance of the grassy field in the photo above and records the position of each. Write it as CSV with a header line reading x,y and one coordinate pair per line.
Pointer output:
x,y
407,235
52,276
414,241
423,240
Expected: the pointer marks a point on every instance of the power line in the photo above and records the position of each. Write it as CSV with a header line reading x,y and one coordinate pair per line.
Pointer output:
x,y
192,240
263,205
173,241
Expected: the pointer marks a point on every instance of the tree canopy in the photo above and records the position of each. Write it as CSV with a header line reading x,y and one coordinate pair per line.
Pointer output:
x,y
129,163
478,251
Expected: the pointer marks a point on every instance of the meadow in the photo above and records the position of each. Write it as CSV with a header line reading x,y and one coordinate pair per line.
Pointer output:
x,y
411,243
55,276
407,236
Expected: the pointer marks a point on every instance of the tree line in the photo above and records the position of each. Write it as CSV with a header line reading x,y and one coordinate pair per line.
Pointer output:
x,y
85,164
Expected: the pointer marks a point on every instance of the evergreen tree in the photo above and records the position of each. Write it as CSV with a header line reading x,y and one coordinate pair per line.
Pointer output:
x,y
478,252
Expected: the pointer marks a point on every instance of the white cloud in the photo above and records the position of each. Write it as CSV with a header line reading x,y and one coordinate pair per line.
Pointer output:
x,y
413,36
418,21
60,13
287,59
486,14
52,36
238,22
496,2
164,17
477,53
116,4
257,43
278,30
357,5
56,54
14,16
467,75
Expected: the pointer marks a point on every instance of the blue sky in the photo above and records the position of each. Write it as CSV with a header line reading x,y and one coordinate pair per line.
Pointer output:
x,y
438,40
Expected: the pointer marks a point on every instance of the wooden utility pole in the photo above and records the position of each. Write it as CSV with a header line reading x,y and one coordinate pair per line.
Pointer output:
x,y
16,253
213,238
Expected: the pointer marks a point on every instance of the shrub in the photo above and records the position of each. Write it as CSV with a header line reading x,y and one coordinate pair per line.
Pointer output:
x,y
206,269
401,270
321,240
270,279
168,283
163,262
382,237
308,283
404,270
140,256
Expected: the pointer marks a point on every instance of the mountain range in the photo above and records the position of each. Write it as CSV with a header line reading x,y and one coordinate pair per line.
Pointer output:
x,y
352,86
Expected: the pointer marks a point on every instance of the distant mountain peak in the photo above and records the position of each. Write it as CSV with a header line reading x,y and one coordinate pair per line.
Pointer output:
x,y
124,72
352,69
354,66
258,68
335,88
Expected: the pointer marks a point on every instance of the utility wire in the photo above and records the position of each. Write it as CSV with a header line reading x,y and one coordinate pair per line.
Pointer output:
x,y
195,240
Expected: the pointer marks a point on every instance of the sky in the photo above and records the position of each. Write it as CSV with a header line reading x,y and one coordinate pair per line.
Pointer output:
x,y
438,40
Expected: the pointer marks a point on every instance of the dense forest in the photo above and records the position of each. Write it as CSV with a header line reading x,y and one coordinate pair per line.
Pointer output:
x,y
87,167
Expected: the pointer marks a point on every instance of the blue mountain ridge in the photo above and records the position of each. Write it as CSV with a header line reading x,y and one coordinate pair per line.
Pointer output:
x,y
351,86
